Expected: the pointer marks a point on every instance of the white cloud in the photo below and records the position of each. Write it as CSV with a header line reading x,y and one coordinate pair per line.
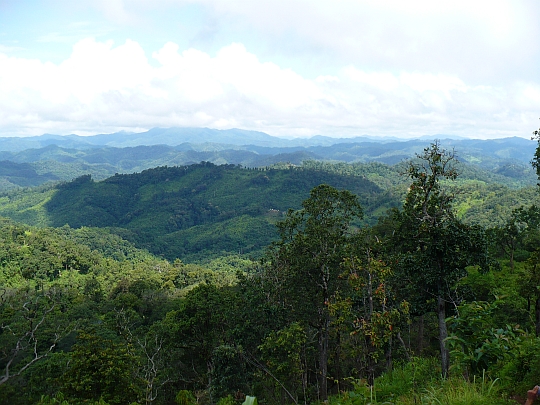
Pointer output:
x,y
531,94
381,80
477,40
233,71
105,87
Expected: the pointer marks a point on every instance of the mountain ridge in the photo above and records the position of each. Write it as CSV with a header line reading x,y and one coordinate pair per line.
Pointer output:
x,y
175,136
56,157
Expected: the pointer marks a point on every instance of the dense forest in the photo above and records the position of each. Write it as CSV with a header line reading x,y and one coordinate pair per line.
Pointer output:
x,y
362,283
203,211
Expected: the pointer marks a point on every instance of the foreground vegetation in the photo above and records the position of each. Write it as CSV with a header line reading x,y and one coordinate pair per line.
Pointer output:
x,y
420,307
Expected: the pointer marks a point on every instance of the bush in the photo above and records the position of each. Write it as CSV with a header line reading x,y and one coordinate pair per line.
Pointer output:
x,y
228,400
411,377
185,397
520,371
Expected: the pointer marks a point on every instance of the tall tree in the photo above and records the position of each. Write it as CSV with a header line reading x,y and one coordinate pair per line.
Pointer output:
x,y
536,159
519,233
376,315
533,264
307,262
433,247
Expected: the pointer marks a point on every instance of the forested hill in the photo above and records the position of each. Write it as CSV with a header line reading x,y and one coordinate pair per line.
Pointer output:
x,y
36,160
203,210
195,211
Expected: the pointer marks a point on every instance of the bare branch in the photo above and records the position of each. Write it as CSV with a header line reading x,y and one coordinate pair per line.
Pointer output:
x,y
27,335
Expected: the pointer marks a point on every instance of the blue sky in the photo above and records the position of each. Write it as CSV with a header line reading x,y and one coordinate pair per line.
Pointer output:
x,y
286,67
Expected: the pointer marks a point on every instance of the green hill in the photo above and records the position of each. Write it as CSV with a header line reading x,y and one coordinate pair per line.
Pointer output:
x,y
196,211
203,211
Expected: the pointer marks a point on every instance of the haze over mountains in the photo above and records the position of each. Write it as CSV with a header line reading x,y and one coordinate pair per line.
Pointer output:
x,y
206,139
32,161
237,137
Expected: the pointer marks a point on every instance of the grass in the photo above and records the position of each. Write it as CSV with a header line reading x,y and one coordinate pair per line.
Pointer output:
x,y
420,383
457,391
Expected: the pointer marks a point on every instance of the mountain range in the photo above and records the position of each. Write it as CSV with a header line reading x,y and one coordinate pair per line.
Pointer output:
x,y
36,160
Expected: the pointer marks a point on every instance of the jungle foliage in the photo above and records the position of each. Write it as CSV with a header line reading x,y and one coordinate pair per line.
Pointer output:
x,y
371,287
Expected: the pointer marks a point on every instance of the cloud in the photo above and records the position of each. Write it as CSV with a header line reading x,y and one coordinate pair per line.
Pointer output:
x,y
476,40
103,87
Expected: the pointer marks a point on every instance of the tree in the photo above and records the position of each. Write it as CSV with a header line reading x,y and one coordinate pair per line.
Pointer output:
x,y
433,247
536,159
376,316
519,233
200,326
314,242
101,368
532,278
154,368
534,260
284,353
32,324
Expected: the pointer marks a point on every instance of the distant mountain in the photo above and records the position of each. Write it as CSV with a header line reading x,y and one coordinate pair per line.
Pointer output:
x,y
155,136
198,136
55,157
15,175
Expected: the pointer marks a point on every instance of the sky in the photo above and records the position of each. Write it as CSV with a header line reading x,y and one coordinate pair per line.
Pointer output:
x,y
290,68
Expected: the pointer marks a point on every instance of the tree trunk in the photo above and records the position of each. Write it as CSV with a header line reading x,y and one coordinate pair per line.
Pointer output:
x,y
512,260
405,348
210,368
370,369
323,359
443,334
420,347
389,355
537,316
337,361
